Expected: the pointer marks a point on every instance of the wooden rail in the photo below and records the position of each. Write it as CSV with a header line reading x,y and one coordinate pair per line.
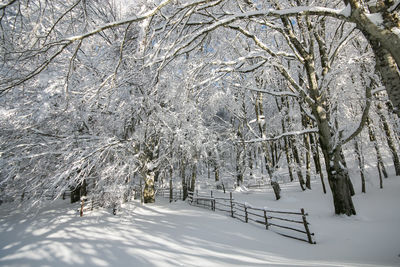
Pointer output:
x,y
290,224
90,204
171,193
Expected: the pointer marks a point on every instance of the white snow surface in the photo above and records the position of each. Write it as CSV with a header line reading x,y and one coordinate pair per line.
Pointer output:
x,y
164,234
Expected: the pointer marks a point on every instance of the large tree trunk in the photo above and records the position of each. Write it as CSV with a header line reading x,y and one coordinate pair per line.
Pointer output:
x,y
343,162
149,191
390,74
385,43
338,182
338,177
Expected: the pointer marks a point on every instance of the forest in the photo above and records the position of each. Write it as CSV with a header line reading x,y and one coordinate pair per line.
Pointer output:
x,y
100,97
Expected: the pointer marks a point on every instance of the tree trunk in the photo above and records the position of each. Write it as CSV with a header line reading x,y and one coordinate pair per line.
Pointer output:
x,y
250,160
338,182
380,177
184,183
298,163
317,160
306,141
389,139
239,173
216,173
384,41
208,170
149,191
194,175
263,131
389,72
289,158
240,155
360,159
277,189
372,138
343,162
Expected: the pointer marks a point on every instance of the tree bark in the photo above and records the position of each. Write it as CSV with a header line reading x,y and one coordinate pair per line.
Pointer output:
x,y
298,164
194,175
149,191
384,42
317,160
263,131
389,71
184,183
360,159
372,138
250,159
289,158
389,139
239,167
306,141
338,182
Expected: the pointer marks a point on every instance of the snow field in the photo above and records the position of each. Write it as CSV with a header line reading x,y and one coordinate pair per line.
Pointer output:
x,y
177,234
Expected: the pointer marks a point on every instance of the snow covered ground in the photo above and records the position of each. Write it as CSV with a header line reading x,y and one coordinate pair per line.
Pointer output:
x,y
177,234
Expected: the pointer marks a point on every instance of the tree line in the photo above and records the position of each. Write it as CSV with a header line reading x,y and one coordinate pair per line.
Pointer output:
x,y
101,97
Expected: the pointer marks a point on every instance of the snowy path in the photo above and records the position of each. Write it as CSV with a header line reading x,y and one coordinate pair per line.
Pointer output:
x,y
180,235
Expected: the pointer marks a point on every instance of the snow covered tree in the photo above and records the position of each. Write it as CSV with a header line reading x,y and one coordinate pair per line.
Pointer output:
x,y
99,98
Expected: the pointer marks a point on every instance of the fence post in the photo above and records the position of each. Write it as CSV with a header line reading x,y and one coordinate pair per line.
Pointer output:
x,y
266,219
306,227
231,200
245,214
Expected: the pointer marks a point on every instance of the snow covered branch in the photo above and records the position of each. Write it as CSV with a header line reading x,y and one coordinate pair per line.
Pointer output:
x,y
275,138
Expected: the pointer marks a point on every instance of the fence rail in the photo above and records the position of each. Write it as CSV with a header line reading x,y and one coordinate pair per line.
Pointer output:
x,y
290,224
90,204
172,195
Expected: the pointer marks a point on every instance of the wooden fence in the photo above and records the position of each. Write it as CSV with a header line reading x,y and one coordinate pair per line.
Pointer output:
x,y
290,224
171,193
90,204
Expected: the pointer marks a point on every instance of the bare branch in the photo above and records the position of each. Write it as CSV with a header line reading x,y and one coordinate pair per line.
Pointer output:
x,y
364,116
278,94
3,6
275,138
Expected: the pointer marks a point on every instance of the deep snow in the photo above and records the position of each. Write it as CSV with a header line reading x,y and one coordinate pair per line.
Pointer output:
x,y
177,234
